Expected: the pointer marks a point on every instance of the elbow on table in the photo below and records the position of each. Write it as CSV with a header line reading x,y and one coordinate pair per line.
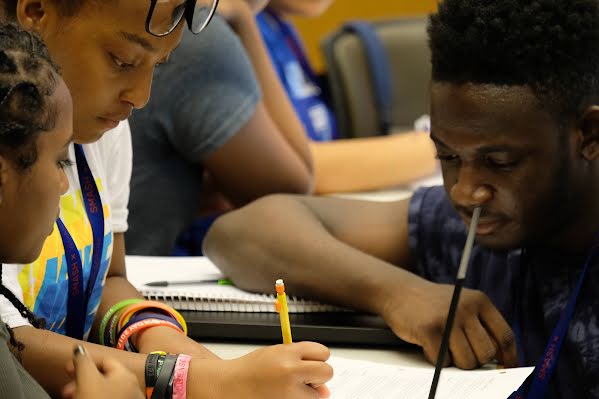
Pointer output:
x,y
303,184
234,236
238,226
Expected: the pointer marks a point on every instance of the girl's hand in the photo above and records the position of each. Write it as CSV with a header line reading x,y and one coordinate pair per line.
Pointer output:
x,y
110,380
293,371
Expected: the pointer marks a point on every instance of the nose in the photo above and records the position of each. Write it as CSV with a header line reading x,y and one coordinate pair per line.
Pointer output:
x,y
468,190
137,94
64,182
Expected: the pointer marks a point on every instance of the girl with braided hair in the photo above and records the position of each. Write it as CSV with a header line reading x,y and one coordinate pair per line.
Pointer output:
x,y
107,51
36,130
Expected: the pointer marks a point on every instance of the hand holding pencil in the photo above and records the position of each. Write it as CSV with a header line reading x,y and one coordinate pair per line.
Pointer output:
x,y
298,370
292,370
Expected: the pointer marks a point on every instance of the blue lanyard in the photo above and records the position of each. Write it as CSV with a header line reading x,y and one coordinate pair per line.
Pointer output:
x,y
79,296
536,387
294,43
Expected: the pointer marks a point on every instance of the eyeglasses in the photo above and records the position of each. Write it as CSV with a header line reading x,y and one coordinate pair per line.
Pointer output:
x,y
165,15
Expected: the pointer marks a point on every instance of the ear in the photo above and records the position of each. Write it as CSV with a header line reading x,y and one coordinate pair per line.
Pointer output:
x,y
589,128
32,15
4,176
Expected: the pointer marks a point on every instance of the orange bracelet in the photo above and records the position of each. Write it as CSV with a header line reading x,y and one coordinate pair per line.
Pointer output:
x,y
137,307
140,326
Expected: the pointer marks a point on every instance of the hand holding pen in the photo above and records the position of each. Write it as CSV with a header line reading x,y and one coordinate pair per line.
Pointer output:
x,y
449,332
454,302
418,311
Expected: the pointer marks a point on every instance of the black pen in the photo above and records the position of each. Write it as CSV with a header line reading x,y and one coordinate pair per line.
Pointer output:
x,y
454,301
219,281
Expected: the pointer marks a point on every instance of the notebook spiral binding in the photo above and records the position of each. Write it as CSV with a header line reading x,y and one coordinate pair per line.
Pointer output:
x,y
250,303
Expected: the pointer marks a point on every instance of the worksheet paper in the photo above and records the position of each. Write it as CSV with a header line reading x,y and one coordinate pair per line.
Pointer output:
x,y
358,379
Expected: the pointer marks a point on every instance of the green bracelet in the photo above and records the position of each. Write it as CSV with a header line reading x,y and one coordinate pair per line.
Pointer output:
x,y
111,312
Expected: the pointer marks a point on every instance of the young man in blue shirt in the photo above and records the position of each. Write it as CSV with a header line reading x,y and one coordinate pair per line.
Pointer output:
x,y
515,121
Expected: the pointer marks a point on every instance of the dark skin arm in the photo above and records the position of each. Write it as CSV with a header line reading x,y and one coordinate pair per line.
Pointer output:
x,y
360,254
270,153
258,161
47,351
47,357
118,288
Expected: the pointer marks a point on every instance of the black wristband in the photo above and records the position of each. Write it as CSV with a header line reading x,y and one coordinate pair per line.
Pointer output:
x,y
165,377
151,369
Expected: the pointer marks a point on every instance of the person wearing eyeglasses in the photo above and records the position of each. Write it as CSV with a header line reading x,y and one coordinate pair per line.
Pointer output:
x,y
212,135
107,52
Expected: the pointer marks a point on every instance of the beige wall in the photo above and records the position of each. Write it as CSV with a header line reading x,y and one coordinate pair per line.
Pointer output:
x,y
312,31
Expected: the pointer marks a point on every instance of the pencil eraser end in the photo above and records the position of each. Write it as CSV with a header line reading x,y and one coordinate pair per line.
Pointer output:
x,y
280,287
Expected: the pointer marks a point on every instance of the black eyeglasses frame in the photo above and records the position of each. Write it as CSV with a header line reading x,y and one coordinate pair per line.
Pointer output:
x,y
187,14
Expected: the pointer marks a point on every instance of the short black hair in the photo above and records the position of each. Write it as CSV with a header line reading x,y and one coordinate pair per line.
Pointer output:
x,y
551,46
28,78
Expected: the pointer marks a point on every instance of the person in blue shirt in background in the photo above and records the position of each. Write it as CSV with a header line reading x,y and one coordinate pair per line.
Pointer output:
x,y
339,165
515,121
297,76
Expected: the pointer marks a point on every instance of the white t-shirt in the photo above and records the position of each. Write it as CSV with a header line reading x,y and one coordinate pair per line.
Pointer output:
x,y
43,284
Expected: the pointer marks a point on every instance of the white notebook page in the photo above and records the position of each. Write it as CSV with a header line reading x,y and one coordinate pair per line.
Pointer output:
x,y
203,297
358,379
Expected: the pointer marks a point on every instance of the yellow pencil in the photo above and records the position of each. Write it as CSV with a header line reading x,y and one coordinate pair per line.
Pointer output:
x,y
283,311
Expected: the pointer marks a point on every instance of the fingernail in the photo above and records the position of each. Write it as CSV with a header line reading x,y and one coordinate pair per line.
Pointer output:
x,y
79,350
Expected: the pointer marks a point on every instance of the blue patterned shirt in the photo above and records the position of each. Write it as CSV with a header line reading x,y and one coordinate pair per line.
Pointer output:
x,y
542,282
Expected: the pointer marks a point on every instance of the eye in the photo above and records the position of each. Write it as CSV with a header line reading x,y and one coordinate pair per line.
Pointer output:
x,y
447,157
119,63
65,163
500,162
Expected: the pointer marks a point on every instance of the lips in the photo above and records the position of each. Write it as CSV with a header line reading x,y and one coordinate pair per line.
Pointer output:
x,y
115,119
108,123
486,225
120,115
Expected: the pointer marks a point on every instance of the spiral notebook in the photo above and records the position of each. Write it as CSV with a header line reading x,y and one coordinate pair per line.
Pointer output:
x,y
204,293
217,312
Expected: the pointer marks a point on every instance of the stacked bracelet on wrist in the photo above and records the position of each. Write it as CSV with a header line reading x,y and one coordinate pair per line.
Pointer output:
x,y
166,376
131,316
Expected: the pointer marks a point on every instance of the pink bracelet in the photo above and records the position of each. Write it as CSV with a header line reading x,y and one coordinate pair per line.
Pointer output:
x,y
180,377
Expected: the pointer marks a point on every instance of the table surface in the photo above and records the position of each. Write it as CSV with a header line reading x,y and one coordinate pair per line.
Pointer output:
x,y
396,193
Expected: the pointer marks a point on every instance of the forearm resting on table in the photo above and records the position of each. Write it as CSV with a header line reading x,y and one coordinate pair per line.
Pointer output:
x,y
324,258
372,163
118,288
46,354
